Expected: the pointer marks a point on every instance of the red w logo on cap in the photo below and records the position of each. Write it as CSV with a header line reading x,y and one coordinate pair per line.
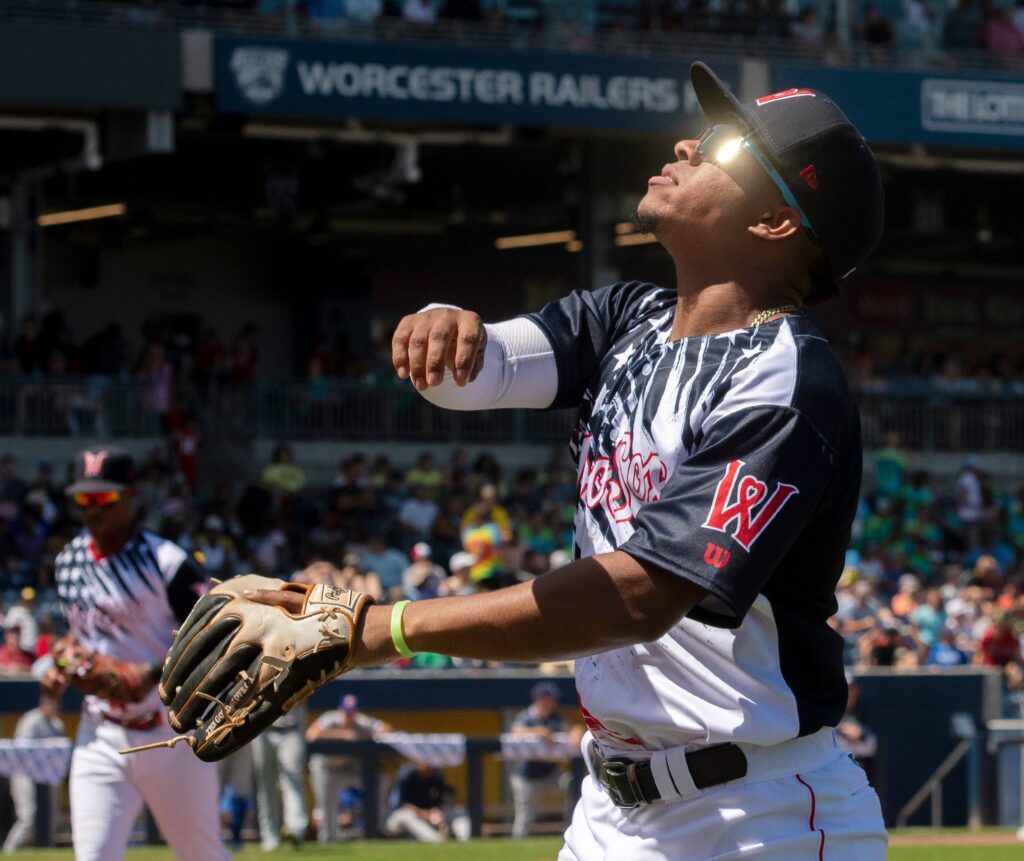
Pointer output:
x,y
783,94
810,176
93,463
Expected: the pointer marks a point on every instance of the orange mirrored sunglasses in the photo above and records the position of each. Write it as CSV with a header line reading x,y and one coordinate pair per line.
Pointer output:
x,y
103,500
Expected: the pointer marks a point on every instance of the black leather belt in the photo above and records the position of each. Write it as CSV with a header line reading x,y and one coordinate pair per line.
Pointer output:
x,y
630,783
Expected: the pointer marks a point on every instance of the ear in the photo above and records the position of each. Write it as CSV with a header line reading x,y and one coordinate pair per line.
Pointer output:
x,y
780,223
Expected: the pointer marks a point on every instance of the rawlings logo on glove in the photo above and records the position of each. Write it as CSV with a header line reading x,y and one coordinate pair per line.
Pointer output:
x,y
237,665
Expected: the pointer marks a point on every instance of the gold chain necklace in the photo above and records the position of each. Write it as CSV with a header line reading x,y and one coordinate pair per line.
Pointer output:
x,y
768,313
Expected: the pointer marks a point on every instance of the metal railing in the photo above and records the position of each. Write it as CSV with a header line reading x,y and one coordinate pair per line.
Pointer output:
x,y
92,406
928,420
568,25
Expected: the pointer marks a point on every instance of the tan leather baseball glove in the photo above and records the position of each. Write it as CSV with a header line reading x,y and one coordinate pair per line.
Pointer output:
x,y
237,665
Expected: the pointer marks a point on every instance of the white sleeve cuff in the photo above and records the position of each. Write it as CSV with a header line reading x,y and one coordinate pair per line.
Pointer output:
x,y
519,370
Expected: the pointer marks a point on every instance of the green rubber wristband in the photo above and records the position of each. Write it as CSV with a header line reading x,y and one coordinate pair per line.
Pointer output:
x,y
397,637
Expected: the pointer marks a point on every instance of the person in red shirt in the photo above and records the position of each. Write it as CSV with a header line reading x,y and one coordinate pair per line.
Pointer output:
x,y
12,656
999,644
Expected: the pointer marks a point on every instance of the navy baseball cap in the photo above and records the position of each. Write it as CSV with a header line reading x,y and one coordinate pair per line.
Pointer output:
x,y
101,470
821,157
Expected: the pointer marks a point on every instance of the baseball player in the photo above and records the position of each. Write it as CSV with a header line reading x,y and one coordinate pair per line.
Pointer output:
x,y
123,591
719,463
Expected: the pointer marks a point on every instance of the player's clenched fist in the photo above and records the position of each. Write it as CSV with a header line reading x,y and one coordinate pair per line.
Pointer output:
x,y
426,343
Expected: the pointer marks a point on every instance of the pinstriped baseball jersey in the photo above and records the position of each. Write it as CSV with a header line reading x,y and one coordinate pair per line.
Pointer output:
x,y
732,460
127,604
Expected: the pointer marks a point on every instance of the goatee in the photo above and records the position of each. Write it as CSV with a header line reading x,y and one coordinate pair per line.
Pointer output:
x,y
643,222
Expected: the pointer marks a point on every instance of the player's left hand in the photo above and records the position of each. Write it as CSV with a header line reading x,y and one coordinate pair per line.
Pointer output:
x,y
99,675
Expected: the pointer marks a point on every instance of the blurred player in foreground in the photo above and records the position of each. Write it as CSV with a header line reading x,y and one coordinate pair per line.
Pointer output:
x,y
719,464
123,591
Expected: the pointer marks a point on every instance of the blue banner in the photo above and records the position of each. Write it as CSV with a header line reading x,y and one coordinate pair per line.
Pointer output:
x,y
404,82
889,106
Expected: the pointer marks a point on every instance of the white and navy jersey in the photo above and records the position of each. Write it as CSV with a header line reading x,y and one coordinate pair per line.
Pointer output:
x,y
732,460
127,605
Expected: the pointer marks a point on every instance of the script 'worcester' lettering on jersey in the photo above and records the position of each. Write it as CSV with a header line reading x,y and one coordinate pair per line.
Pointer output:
x,y
741,503
620,482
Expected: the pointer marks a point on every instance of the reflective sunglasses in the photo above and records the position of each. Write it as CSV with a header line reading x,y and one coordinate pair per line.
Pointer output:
x,y
104,499
721,143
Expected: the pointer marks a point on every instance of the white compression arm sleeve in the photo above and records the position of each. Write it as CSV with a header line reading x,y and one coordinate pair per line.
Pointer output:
x,y
519,371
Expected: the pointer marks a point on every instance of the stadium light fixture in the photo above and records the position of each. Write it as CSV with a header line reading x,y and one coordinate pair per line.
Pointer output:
x,y
91,213
529,240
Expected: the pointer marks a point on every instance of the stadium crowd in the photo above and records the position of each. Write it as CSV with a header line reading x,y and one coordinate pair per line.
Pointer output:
x,y
934,574
876,32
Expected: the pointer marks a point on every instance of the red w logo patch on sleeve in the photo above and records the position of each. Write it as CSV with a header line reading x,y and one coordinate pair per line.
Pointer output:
x,y
742,507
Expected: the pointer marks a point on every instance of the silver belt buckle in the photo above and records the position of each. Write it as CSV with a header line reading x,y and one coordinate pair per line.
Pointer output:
x,y
611,774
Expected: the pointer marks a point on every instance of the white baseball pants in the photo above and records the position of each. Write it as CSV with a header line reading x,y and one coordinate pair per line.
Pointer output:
x,y
109,788
812,811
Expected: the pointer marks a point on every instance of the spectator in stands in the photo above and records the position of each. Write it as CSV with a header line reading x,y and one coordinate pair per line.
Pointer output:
x,y
807,30
531,778
891,465
962,30
209,360
970,501
12,487
929,618
29,349
418,515
282,474
352,496
423,808
386,562
986,574
419,11
157,374
363,12
334,773
446,536
945,652
999,644
916,27
426,473
217,549
23,617
13,658
877,33
487,510
1000,31
352,576
486,470
244,358
460,582
423,578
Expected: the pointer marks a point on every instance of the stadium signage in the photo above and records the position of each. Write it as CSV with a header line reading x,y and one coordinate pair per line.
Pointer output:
x,y
329,79
983,112
991,107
